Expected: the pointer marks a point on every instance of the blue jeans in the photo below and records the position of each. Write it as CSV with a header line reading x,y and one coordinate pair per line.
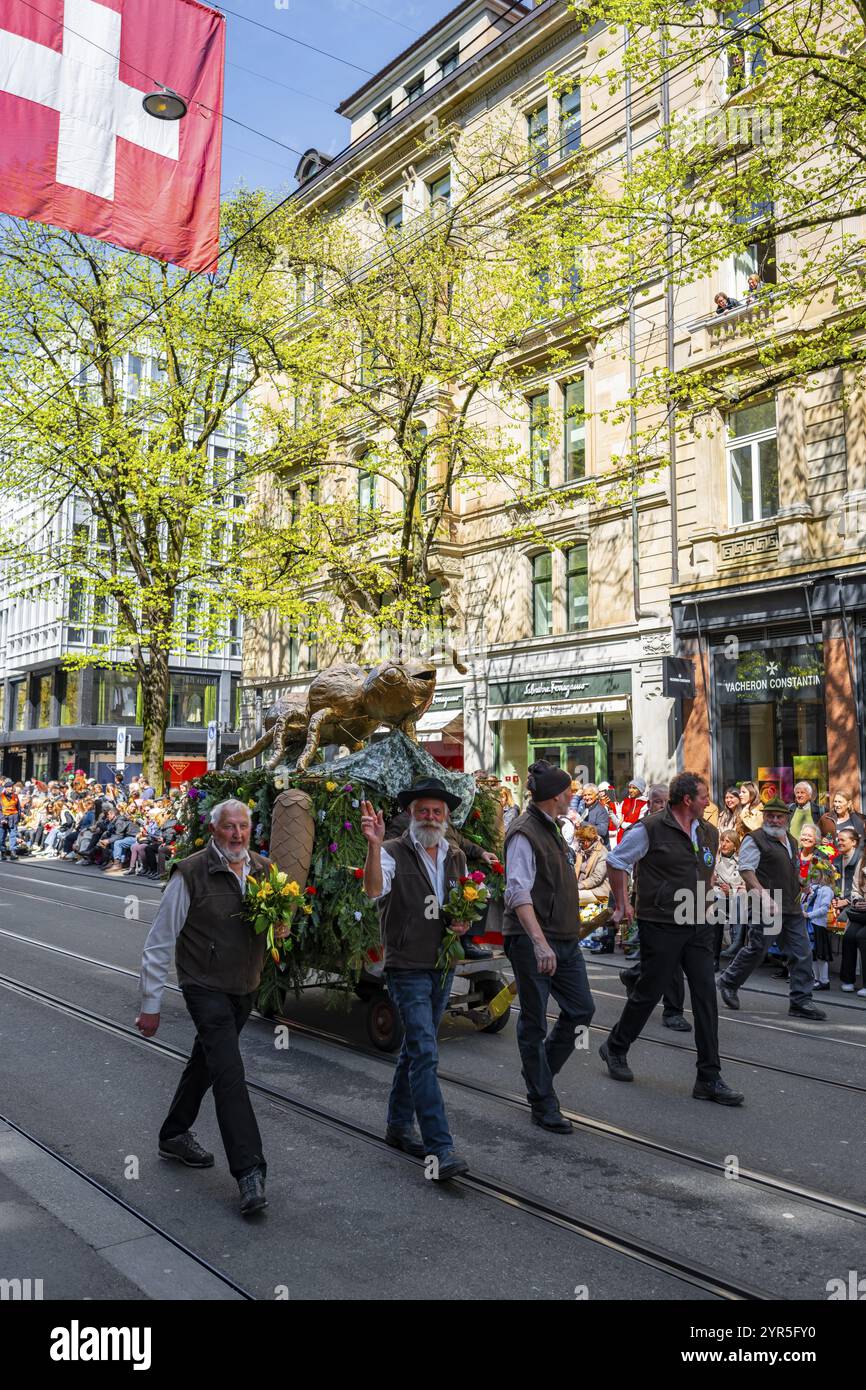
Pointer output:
x,y
544,1054
120,846
11,833
420,1000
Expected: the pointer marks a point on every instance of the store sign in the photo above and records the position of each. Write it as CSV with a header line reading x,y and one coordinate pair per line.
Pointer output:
x,y
759,676
678,677
580,685
447,699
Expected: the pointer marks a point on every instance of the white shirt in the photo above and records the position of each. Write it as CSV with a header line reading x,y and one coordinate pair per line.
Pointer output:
x,y
164,931
435,872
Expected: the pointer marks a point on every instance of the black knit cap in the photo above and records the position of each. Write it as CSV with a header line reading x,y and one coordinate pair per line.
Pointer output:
x,y
546,781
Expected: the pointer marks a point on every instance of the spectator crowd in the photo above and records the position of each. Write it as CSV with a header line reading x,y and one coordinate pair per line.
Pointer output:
x,y
121,828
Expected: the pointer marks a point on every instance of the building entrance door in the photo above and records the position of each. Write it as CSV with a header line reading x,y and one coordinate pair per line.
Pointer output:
x,y
585,759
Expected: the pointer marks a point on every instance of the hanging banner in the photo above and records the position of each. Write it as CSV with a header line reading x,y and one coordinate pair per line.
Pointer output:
x,y
77,148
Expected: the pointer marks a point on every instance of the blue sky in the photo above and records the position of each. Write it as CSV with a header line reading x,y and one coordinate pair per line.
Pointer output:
x,y
305,116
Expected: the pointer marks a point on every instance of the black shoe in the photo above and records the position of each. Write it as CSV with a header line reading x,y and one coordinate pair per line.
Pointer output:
x,y
729,996
252,1190
717,1091
406,1143
471,952
678,1023
616,1064
187,1148
806,1011
450,1167
555,1122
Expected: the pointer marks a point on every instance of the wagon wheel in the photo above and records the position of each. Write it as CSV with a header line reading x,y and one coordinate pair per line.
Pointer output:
x,y
384,1028
490,986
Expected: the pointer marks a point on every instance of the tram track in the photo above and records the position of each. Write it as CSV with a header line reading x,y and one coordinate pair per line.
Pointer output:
x,y
586,1123
517,1199
127,1207
746,989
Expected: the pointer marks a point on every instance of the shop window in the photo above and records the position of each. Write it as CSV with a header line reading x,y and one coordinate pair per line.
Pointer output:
x,y
536,135
193,701
542,595
569,122
577,587
18,701
574,443
44,692
772,723
753,463
69,698
115,697
539,439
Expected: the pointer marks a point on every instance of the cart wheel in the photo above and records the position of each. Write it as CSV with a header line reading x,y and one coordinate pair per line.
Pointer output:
x,y
489,988
384,1028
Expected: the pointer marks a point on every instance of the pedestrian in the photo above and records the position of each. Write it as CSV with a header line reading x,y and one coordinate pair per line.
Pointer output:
x,y
769,863
410,879
804,810
854,940
752,808
219,962
817,907
509,810
676,849
849,858
632,807
730,815
541,933
10,814
844,816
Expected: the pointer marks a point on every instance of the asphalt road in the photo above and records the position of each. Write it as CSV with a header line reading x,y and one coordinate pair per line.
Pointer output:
x,y
348,1219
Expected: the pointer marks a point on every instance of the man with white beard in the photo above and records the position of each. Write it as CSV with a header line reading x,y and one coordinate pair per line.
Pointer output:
x,y
769,865
411,879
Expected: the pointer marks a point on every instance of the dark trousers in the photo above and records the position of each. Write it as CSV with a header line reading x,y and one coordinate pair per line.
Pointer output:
x,y
793,942
853,941
544,1054
664,948
216,1061
674,997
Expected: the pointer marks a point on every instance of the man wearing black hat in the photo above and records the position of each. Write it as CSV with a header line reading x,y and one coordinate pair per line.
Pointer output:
x,y
676,849
542,940
769,863
411,879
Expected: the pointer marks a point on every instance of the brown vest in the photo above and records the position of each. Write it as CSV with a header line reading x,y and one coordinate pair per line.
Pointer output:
x,y
673,880
777,870
555,897
216,946
412,928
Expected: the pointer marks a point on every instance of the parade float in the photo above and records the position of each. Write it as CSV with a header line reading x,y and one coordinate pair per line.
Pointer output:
x,y
306,820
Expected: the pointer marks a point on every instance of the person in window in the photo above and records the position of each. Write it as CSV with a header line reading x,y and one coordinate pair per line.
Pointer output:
x,y
756,288
725,302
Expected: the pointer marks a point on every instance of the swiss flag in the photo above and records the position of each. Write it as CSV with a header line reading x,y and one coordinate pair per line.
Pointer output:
x,y
78,150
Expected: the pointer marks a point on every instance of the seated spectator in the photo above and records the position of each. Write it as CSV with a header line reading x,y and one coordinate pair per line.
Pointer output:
x,y
725,302
591,865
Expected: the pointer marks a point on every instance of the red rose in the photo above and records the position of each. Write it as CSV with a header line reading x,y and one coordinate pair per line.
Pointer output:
x,y
497,867
477,877
312,891
466,879
476,815
359,873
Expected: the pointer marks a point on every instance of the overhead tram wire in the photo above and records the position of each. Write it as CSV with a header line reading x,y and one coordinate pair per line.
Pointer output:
x,y
227,250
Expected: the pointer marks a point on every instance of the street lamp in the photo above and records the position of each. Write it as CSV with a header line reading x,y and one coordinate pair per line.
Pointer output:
x,y
165,105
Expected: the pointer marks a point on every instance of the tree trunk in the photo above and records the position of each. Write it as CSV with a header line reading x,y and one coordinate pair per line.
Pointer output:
x,y
155,698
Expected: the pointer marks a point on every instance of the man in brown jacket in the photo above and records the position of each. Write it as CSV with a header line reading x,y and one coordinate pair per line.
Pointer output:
x,y
219,965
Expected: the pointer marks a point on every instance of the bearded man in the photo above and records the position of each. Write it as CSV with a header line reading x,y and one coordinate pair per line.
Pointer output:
x,y
411,878
768,863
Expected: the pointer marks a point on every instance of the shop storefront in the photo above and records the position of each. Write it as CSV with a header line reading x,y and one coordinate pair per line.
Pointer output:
x,y
440,729
580,721
771,725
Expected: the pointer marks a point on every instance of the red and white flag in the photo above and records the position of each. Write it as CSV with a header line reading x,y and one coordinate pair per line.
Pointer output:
x,y
78,150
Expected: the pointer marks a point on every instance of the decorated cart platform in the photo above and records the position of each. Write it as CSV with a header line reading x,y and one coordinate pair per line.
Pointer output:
x,y
308,824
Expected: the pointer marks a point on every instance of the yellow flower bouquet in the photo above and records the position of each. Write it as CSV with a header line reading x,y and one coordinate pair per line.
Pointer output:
x,y
466,903
271,904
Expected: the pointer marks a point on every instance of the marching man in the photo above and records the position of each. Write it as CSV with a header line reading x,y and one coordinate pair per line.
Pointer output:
x,y
410,879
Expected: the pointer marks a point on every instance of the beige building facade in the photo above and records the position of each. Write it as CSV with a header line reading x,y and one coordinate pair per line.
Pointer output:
x,y
744,542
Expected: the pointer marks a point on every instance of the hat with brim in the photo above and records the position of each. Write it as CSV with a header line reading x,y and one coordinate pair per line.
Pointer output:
x,y
775,804
432,790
